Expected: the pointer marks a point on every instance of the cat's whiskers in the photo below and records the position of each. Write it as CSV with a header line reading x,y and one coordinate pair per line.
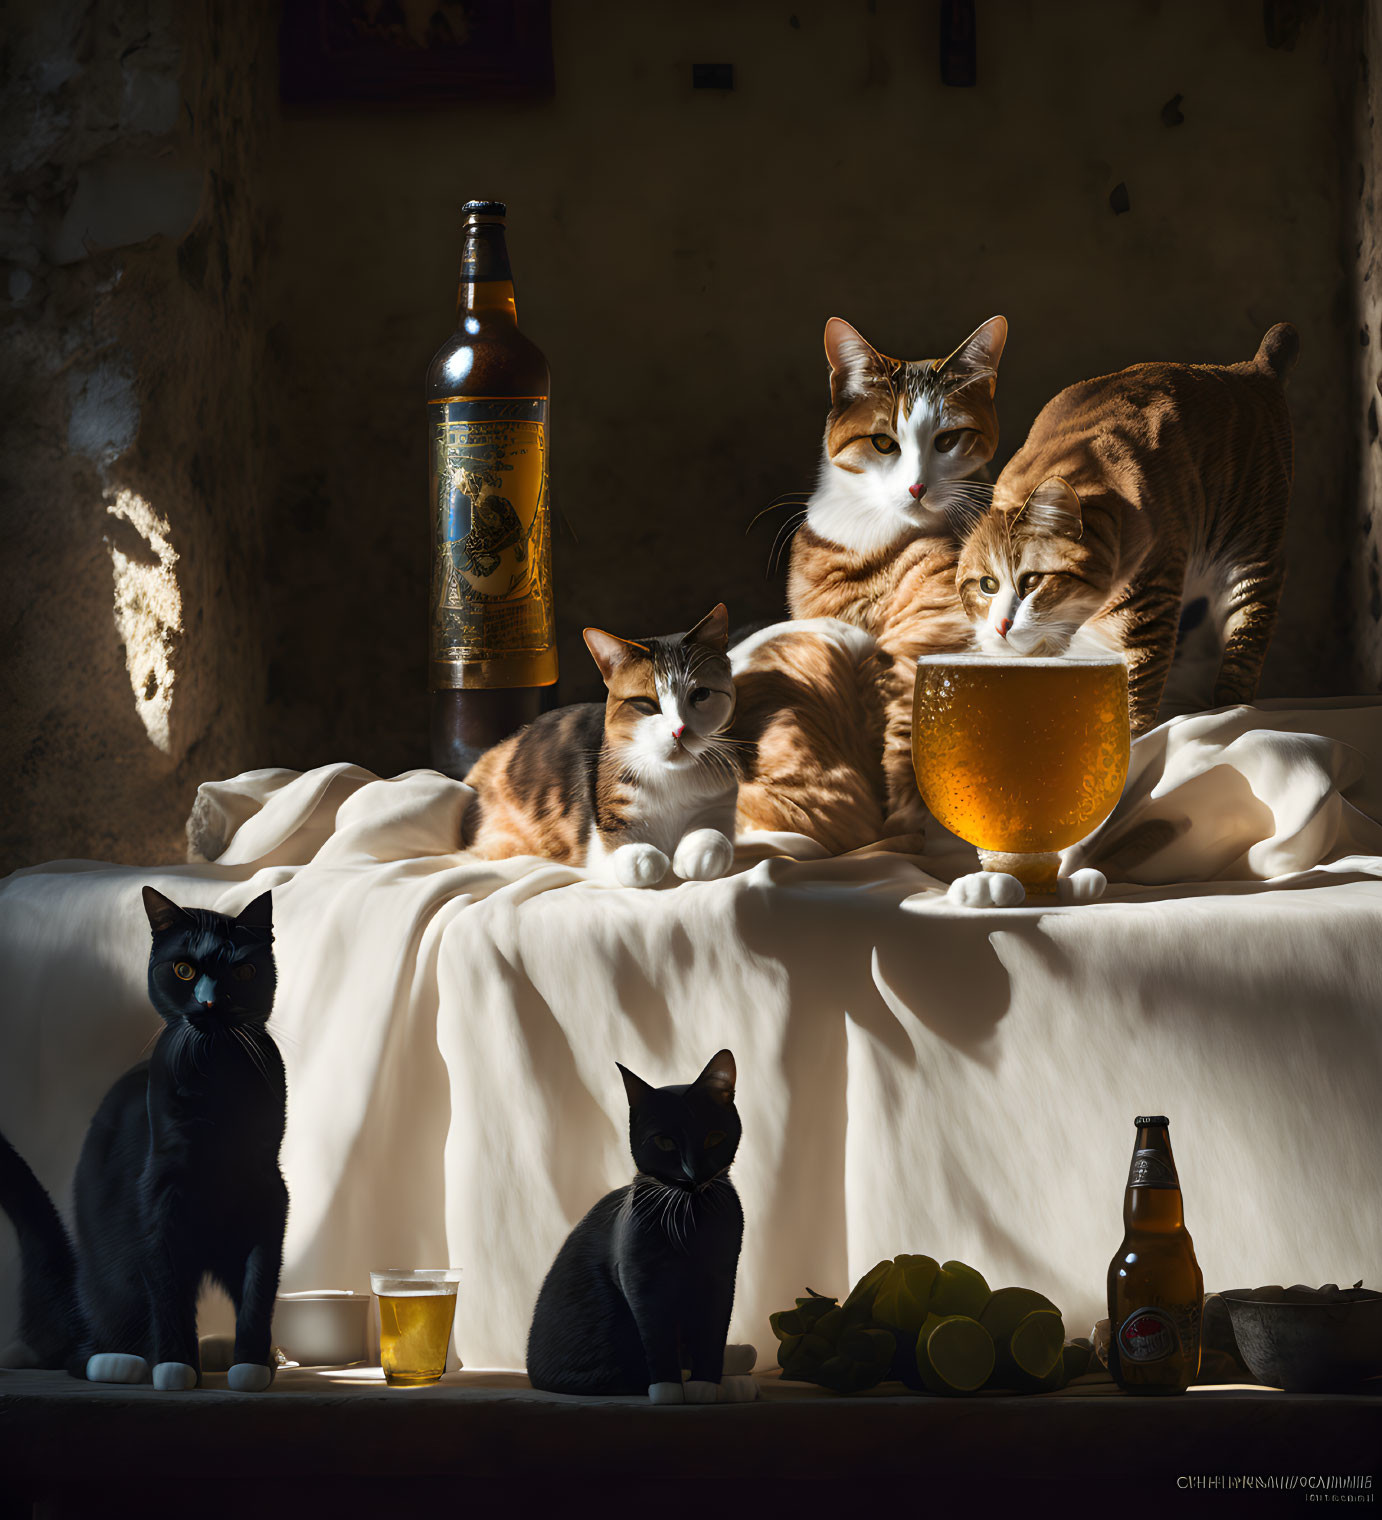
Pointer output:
x,y
252,1050
719,754
787,498
784,537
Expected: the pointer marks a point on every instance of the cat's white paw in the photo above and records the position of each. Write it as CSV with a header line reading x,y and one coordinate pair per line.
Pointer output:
x,y
703,855
249,1377
639,865
987,889
739,1390
700,1392
116,1367
739,1360
666,1393
173,1377
1082,886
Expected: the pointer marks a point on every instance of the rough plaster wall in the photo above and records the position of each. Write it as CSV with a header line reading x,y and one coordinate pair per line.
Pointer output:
x,y
677,253
131,389
1366,563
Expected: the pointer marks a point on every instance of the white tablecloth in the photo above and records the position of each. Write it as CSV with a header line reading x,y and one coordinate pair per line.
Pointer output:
x,y
913,1076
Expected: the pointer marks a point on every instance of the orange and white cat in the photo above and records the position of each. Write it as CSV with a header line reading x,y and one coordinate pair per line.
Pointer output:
x,y
1137,496
903,441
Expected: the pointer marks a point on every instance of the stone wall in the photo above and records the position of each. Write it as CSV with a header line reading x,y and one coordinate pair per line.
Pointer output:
x,y
135,455
216,321
1364,582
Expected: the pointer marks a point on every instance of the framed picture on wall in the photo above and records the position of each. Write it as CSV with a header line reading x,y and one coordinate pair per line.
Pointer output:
x,y
401,50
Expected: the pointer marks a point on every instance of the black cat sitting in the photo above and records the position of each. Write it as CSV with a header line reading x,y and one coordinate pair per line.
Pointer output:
x,y
644,1284
178,1177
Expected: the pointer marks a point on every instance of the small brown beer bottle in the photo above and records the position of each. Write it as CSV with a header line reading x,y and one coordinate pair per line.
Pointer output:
x,y
1155,1290
491,631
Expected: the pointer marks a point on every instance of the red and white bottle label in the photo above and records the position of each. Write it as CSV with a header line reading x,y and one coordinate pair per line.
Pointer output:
x,y
1148,1335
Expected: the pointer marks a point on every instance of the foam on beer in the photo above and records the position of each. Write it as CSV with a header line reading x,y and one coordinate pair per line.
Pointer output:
x,y
1003,661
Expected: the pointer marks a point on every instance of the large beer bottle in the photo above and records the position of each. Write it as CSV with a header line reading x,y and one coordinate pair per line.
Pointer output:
x,y
492,639
1155,1290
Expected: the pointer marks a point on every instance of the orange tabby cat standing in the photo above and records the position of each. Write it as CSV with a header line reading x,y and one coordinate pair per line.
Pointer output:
x,y
1135,495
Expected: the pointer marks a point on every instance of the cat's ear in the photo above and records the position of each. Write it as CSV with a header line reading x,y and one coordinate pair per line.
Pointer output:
x,y
853,359
713,629
979,352
718,1077
635,1087
609,652
1053,507
164,913
259,914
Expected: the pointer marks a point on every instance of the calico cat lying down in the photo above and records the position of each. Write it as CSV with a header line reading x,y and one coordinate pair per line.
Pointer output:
x,y
644,1285
178,1176
633,789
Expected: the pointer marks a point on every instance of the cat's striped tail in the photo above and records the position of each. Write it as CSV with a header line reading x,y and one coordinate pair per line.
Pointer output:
x,y
50,1327
1278,350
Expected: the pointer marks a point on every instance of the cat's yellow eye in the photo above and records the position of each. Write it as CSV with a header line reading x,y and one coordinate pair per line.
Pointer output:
x,y
1029,582
884,443
945,442
184,971
244,972
714,1138
664,1143
988,584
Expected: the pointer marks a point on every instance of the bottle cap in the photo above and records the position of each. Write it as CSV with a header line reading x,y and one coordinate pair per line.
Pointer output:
x,y
484,208
1143,1121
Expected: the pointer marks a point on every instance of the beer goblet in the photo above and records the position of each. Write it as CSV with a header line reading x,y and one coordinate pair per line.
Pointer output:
x,y
1020,756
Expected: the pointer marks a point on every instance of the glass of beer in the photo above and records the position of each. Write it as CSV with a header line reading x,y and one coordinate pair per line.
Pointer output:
x,y
1021,757
416,1308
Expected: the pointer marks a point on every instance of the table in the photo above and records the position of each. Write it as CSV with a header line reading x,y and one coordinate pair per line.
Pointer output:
x,y
339,1443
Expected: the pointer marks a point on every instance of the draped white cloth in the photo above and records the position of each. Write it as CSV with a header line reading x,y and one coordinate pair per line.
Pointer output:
x,y
913,1076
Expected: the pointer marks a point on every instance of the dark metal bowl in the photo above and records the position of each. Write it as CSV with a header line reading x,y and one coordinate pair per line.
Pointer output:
x,y
1308,1347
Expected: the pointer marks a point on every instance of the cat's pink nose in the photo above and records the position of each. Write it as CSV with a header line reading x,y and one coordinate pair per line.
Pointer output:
x,y
679,730
1004,626
918,490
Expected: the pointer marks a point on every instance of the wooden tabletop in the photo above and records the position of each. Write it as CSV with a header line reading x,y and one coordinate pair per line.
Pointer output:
x,y
343,1431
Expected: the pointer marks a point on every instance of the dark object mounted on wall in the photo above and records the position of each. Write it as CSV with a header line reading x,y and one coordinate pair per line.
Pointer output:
x,y
959,43
382,50
712,76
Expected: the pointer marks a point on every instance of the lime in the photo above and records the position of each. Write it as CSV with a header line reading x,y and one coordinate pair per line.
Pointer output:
x,y
1008,1307
1036,1344
954,1354
959,1289
903,1299
787,1322
866,1289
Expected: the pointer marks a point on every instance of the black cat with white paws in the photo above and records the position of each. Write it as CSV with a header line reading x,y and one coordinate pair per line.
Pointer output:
x,y
178,1177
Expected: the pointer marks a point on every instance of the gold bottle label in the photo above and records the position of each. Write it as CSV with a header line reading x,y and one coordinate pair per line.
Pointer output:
x,y
491,620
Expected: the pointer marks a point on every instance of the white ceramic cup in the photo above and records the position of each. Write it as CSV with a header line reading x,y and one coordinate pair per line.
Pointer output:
x,y
323,1327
